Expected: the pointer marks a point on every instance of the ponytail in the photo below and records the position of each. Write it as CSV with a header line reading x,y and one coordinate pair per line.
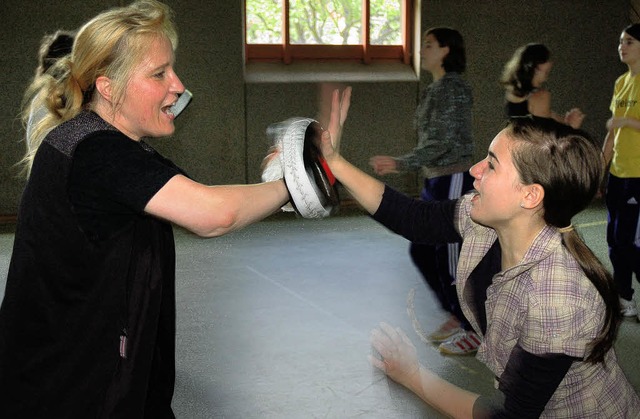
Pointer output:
x,y
56,94
568,164
603,281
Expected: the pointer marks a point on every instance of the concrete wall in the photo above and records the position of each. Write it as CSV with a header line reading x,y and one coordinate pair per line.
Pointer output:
x,y
220,138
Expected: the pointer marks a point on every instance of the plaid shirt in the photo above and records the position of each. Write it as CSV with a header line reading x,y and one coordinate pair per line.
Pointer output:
x,y
547,305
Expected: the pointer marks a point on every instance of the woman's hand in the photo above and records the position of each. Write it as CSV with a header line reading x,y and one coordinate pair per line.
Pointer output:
x,y
271,168
574,118
400,362
398,356
339,109
383,165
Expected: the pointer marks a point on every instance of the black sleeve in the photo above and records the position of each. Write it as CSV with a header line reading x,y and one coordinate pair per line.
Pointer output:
x,y
427,222
111,181
111,172
526,385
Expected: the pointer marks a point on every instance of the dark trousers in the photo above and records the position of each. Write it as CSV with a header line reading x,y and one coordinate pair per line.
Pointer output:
x,y
623,231
438,263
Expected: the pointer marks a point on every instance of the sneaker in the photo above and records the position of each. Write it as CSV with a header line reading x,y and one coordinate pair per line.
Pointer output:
x,y
446,330
464,343
628,309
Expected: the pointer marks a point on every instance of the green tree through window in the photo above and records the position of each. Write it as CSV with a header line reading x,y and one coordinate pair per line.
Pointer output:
x,y
281,29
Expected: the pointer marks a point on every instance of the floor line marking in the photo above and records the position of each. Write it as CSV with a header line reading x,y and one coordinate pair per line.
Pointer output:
x,y
299,297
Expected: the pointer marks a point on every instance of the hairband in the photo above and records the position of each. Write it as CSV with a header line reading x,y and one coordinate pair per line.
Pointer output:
x,y
566,229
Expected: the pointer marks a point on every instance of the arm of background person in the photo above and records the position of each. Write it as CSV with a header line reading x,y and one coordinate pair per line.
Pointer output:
x,y
607,148
617,122
540,104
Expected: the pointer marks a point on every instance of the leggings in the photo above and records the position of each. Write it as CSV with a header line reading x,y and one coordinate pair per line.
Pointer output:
x,y
623,231
438,263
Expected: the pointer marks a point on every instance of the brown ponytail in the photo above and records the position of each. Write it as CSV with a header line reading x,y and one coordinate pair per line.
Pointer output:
x,y
569,166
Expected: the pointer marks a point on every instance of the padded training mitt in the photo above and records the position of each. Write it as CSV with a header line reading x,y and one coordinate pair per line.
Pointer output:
x,y
310,183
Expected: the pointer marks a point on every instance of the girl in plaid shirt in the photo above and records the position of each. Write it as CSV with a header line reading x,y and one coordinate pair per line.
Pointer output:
x,y
544,304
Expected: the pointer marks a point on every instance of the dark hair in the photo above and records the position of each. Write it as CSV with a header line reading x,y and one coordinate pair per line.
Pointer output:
x,y
456,59
569,165
633,30
519,71
52,47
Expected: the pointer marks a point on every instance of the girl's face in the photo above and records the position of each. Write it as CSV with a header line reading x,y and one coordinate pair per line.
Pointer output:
x,y
542,73
432,54
497,182
629,49
152,89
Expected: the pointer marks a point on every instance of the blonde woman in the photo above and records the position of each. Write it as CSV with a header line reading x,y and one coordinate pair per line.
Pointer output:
x,y
87,324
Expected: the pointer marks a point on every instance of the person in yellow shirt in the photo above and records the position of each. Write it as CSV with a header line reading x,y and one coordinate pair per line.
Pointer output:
x,y
622,152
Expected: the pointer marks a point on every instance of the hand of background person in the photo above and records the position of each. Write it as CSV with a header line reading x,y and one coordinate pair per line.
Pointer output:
x,y
383,165
614,123
574,118
398,356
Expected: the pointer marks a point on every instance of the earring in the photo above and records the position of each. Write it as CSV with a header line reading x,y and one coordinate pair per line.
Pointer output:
x,y
521,205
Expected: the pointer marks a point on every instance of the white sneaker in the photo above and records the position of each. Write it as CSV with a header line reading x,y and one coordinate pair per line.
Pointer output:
x,y
446,330
628,308
464,343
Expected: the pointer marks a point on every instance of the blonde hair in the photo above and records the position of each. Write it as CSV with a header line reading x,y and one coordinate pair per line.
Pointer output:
x,y
111,45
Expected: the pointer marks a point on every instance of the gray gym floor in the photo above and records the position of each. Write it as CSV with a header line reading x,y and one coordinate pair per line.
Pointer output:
x,y
274,320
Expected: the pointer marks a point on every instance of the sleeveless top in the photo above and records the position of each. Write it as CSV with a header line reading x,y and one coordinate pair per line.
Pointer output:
x,y
517,109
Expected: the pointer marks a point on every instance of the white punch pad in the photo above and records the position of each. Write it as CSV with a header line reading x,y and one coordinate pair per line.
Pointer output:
x,y
298,159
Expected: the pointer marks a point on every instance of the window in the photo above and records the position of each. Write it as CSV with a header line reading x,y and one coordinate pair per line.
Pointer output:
x,y
365,30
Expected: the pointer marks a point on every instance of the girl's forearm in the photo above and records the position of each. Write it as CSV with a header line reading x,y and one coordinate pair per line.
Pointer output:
x,y
442,395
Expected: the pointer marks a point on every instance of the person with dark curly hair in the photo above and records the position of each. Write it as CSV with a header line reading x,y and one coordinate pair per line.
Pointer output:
x,y
524,77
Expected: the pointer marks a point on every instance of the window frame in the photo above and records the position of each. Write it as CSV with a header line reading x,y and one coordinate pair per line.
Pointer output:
x,y
287,53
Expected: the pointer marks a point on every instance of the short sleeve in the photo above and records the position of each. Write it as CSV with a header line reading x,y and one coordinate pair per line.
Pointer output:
x,y
568,329
111,172
565,311
111,181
